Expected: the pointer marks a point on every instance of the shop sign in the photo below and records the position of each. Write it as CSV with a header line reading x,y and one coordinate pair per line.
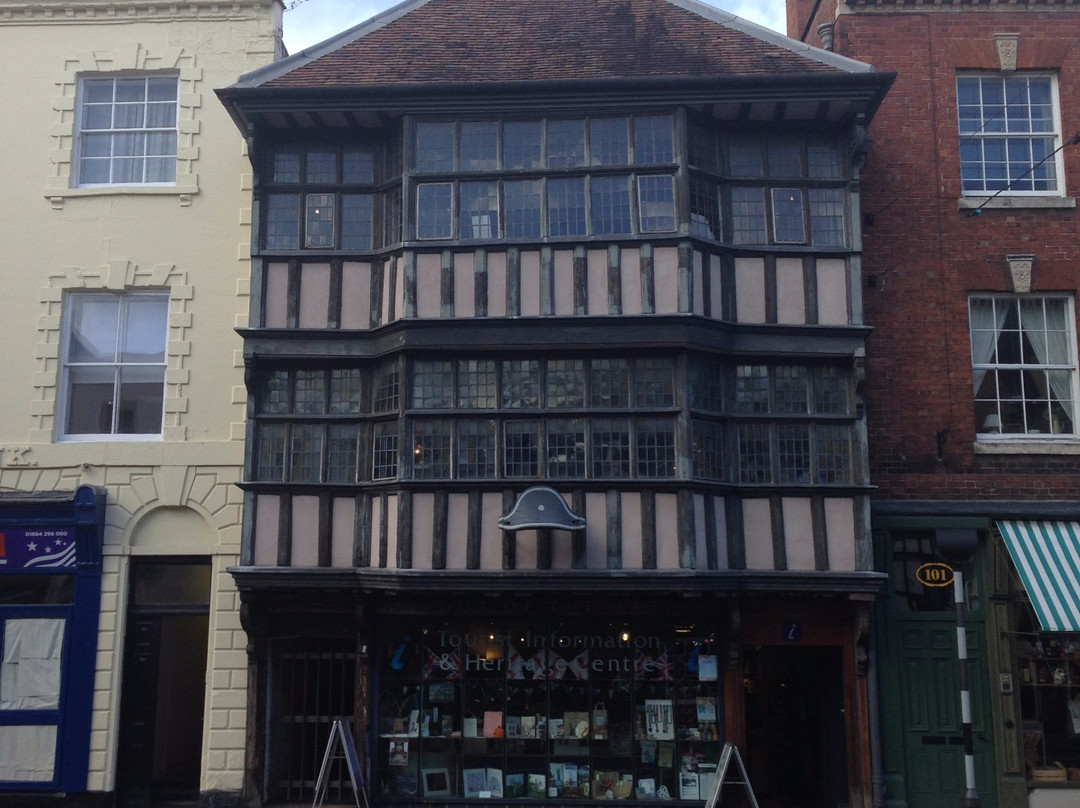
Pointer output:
x,y
934,573
36,548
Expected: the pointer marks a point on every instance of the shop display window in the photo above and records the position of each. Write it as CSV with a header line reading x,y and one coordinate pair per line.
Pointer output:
x,y
581,711
1048,666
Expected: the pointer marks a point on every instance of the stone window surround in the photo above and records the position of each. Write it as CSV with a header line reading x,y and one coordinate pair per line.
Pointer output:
x,y
117,276
131,56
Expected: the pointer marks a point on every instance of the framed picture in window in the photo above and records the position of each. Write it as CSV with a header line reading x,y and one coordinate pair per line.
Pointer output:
x,y
436,782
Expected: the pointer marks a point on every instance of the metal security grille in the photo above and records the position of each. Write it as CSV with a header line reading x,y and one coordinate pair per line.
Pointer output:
x,y
314,683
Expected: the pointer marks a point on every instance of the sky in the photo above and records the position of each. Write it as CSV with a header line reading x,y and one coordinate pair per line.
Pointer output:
x,y
308,22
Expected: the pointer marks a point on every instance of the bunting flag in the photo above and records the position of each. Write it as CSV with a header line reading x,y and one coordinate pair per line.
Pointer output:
x,y
446,665
653,669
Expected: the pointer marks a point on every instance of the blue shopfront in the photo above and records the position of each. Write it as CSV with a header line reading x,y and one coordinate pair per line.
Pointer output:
x,y
50,598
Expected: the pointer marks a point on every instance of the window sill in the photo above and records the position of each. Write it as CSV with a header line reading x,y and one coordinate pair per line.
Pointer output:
x,y
184,192
1013,202
1028,446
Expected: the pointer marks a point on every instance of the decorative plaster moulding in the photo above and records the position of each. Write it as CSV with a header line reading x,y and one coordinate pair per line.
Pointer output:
x,y
75,11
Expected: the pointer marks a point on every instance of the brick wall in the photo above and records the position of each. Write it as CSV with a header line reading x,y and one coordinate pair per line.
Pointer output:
x,y
923,255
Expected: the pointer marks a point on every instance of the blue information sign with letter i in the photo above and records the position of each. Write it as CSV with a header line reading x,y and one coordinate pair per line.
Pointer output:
x,y
793,632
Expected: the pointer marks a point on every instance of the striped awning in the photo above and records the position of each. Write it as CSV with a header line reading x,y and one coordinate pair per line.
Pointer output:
x,y
1047,556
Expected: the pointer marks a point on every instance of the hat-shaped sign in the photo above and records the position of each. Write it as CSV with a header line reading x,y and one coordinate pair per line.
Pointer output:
x,y
540,507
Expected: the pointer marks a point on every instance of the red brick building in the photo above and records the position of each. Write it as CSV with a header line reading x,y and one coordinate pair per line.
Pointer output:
x,y
970,283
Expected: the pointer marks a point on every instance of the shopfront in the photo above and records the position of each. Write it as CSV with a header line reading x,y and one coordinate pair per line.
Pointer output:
x,y
50,593
566,697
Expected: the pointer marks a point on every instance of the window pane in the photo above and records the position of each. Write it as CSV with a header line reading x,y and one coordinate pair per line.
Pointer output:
x,y
386,389
286,165
145,328
142,397
565,383
609,381
827,227
321,166
701,145
566,448
708,450
270,452
479,211
521,144
565,144
433,210
384,451
785,156
822,158
319,229
755,456
752,389
748,216
521,383
91,391
305,453
476,384
522,202
744,155
833,454
654,383
341,452
521,449
309,396
479,146
1008,122
1024,370
610,198
609,141
566,207
704,209
345,387
434,146
790,394
610,447
431,450
831,391
358,164
282,221
273,395
793,447
653,142
788,225
141,113
656,200
655,440
476,449
356,218
433,385
94,331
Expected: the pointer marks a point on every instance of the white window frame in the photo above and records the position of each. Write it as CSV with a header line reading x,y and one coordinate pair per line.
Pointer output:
x,y
66,366
981,136
988,429
146,130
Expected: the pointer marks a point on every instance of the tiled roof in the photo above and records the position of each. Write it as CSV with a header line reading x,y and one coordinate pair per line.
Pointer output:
x,y
477,41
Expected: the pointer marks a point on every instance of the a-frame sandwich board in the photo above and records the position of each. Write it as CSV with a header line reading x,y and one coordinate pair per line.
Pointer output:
x,y
340,745
736,777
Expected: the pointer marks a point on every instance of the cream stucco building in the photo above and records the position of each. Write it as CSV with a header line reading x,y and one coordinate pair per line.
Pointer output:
x,y
126,211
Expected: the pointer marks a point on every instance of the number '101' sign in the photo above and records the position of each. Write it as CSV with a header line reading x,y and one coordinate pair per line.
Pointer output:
x,y
934,573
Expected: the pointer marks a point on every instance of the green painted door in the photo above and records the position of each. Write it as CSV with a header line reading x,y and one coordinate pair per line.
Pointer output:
x,y
920,675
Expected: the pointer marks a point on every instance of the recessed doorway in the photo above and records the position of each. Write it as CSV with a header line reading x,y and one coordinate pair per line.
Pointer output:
x,y
164,681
